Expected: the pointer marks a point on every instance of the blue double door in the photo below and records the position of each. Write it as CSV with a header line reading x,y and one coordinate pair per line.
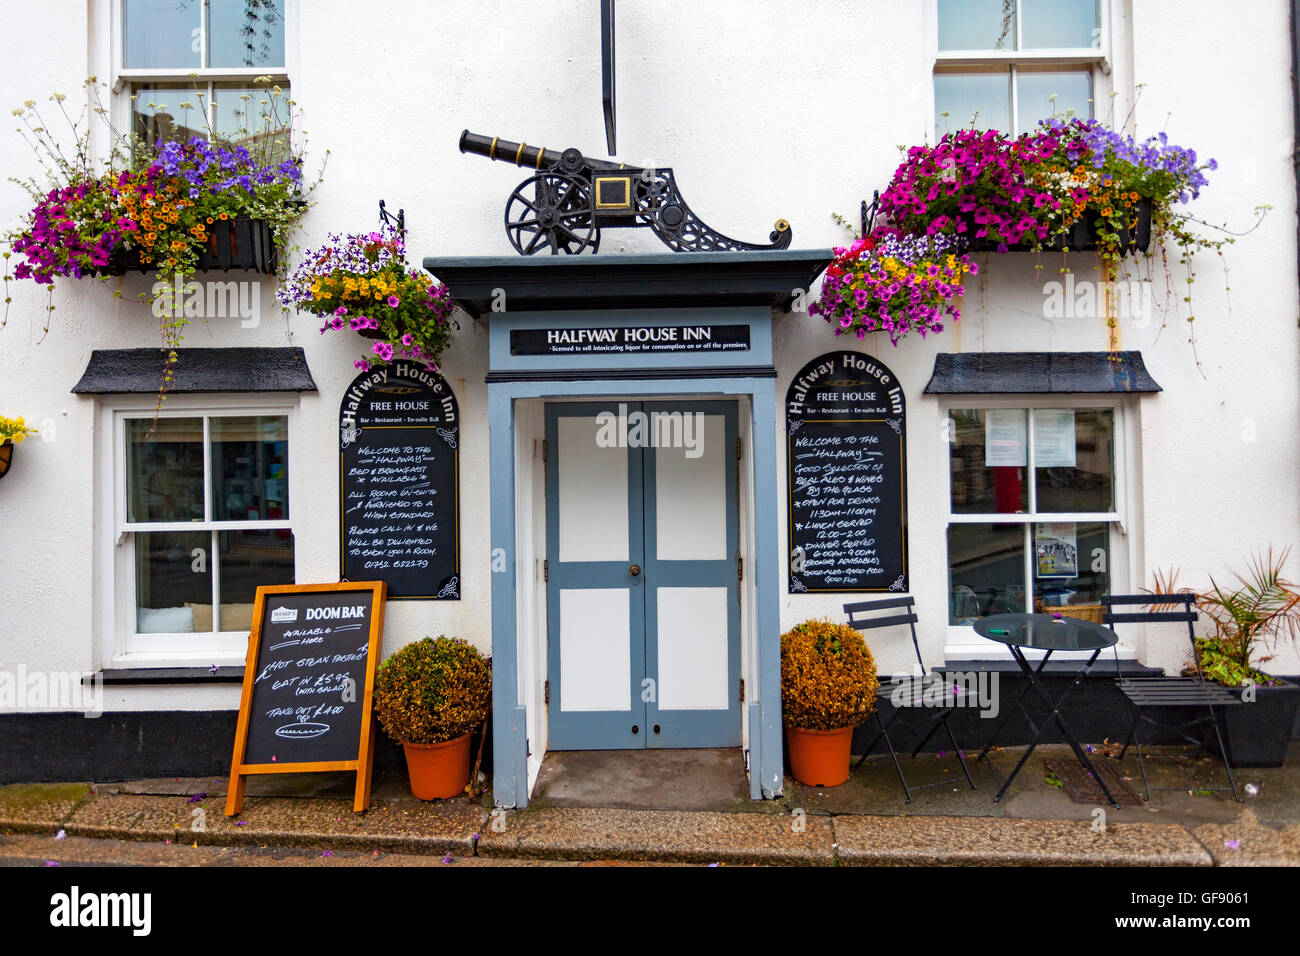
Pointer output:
x,y
642,575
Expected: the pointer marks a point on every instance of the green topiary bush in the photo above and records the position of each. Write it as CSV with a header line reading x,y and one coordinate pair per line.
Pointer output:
x,y
828,676
433,690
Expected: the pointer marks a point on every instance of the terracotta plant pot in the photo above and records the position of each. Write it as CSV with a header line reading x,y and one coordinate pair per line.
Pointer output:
x,y
6,456
438,771
819,758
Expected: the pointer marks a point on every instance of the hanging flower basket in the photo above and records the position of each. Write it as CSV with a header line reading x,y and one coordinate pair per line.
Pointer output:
x,y
362,283
12,432
238,244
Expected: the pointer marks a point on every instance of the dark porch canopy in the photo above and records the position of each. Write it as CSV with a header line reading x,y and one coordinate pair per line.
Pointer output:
x,y
127,371
1002,373
483,284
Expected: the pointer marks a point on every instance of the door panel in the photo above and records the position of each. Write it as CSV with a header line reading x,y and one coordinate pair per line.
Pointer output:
x,y
595,606
643,646
692,593
689,485
595,649
593,503
691,654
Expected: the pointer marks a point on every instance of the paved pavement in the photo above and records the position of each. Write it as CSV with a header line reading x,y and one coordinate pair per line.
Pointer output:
x,y
295,820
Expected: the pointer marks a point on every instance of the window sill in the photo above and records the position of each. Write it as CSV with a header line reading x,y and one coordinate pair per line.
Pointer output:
x,y
168,675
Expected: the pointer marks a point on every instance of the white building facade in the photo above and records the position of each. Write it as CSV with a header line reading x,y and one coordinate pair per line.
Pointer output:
x,y
790,110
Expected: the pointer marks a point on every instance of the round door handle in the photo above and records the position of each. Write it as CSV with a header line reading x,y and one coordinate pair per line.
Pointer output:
x,y
634,570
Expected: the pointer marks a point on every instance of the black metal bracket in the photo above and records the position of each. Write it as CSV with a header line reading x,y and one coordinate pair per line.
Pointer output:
x,y
387,217
869,211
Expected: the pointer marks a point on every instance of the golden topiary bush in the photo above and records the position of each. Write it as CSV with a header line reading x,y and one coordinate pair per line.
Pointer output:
x,y
828,676
432,691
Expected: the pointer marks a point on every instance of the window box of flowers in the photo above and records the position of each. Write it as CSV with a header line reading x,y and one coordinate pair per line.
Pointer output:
x,y
232,243
173,207
362,283
1069,185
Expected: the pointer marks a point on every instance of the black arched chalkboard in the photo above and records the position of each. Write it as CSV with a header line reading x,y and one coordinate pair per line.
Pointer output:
x,y
846,476
399,481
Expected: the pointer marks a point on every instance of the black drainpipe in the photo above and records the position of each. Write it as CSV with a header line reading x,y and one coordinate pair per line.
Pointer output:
x,y
1295,115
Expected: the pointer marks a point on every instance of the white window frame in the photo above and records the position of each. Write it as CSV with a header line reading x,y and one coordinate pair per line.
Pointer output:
x,y
962,643
124,78
121,646
1102,58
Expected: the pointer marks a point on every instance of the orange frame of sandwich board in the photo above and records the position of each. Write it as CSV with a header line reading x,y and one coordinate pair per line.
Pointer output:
x,y
240,771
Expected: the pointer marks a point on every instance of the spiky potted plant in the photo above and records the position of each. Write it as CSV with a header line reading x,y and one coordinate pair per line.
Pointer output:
x,y
828,687
1251,615
430,696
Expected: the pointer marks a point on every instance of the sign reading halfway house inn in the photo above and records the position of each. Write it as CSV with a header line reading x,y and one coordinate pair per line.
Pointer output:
x,y
846,470
632,339
399,470
308,683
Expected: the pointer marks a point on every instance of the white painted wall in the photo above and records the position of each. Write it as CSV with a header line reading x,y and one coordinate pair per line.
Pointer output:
x,y
794,112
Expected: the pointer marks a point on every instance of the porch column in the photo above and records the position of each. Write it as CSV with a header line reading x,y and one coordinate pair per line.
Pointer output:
x,y
509,726
765,741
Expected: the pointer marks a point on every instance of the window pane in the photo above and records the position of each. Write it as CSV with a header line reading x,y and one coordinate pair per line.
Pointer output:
x,y
977,24
987,455
1074,459
161,33
1055,24
983,97
253,117
173,582
1072,90
168,111
246,33
164,472
1071,566
250,558
250,462
986,570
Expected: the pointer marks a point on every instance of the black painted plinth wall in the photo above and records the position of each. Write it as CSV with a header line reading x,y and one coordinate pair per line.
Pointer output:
x,y
46,748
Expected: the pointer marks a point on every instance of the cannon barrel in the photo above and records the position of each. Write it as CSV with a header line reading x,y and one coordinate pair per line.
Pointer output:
x,y
502,150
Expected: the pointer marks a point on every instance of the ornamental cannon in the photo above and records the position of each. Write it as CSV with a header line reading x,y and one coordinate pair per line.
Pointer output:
x,y
563,207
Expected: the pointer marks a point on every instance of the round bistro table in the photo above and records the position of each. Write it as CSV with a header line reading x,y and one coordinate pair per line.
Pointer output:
x,y
1048,633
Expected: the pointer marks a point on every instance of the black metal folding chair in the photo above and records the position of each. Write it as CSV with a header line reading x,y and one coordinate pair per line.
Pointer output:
x,y
910,697
1166,693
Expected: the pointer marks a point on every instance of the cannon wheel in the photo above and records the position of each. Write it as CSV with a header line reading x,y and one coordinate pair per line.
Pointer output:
x,y
552,211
